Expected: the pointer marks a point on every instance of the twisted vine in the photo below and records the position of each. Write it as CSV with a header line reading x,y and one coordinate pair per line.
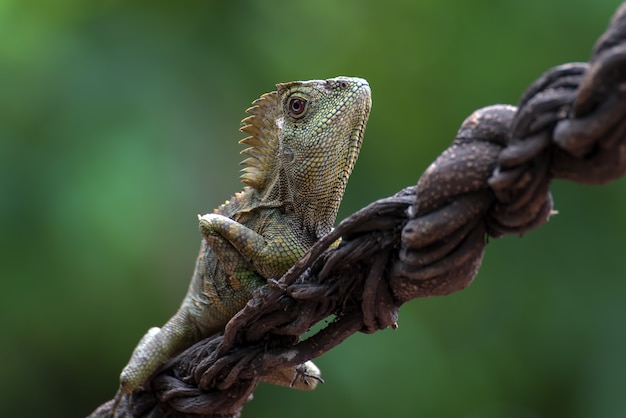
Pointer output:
x,y
426,240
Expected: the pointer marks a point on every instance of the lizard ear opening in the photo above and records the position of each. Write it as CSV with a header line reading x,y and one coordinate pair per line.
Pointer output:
x,y
263,127
288,155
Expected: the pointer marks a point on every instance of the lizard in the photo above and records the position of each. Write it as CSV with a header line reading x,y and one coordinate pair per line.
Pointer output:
x,y
304,139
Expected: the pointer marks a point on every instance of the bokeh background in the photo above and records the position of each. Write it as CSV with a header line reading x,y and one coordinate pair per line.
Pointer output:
x,y
118,124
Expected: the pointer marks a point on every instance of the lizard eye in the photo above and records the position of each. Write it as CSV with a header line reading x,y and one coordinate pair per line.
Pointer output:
x,y
296,106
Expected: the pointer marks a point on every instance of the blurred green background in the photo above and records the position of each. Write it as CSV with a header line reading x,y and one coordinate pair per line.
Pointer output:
x,y
118,124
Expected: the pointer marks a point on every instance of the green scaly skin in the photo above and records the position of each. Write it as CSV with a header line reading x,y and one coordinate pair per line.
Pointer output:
x,y
304,140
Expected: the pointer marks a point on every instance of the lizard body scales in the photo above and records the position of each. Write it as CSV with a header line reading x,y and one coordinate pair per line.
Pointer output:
x,y
304,140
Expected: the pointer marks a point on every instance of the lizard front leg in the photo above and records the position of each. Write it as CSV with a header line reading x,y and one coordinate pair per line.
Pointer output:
x,y
271,257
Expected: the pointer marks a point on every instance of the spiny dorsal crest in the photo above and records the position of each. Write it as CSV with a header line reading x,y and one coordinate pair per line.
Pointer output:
x,y
263,129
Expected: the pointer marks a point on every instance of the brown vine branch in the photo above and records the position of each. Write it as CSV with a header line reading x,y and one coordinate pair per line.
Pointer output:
x,y
426,240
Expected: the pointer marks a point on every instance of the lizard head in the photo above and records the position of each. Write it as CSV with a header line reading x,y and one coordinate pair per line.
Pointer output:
x,y
305,139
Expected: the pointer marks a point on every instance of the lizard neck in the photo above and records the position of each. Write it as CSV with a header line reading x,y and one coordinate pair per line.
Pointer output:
x,y
315,214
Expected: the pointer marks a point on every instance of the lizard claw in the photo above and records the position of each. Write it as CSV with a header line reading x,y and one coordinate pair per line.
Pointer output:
x,y
305,372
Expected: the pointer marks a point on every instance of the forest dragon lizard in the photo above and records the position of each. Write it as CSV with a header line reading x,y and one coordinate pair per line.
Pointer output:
x,y
304,140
